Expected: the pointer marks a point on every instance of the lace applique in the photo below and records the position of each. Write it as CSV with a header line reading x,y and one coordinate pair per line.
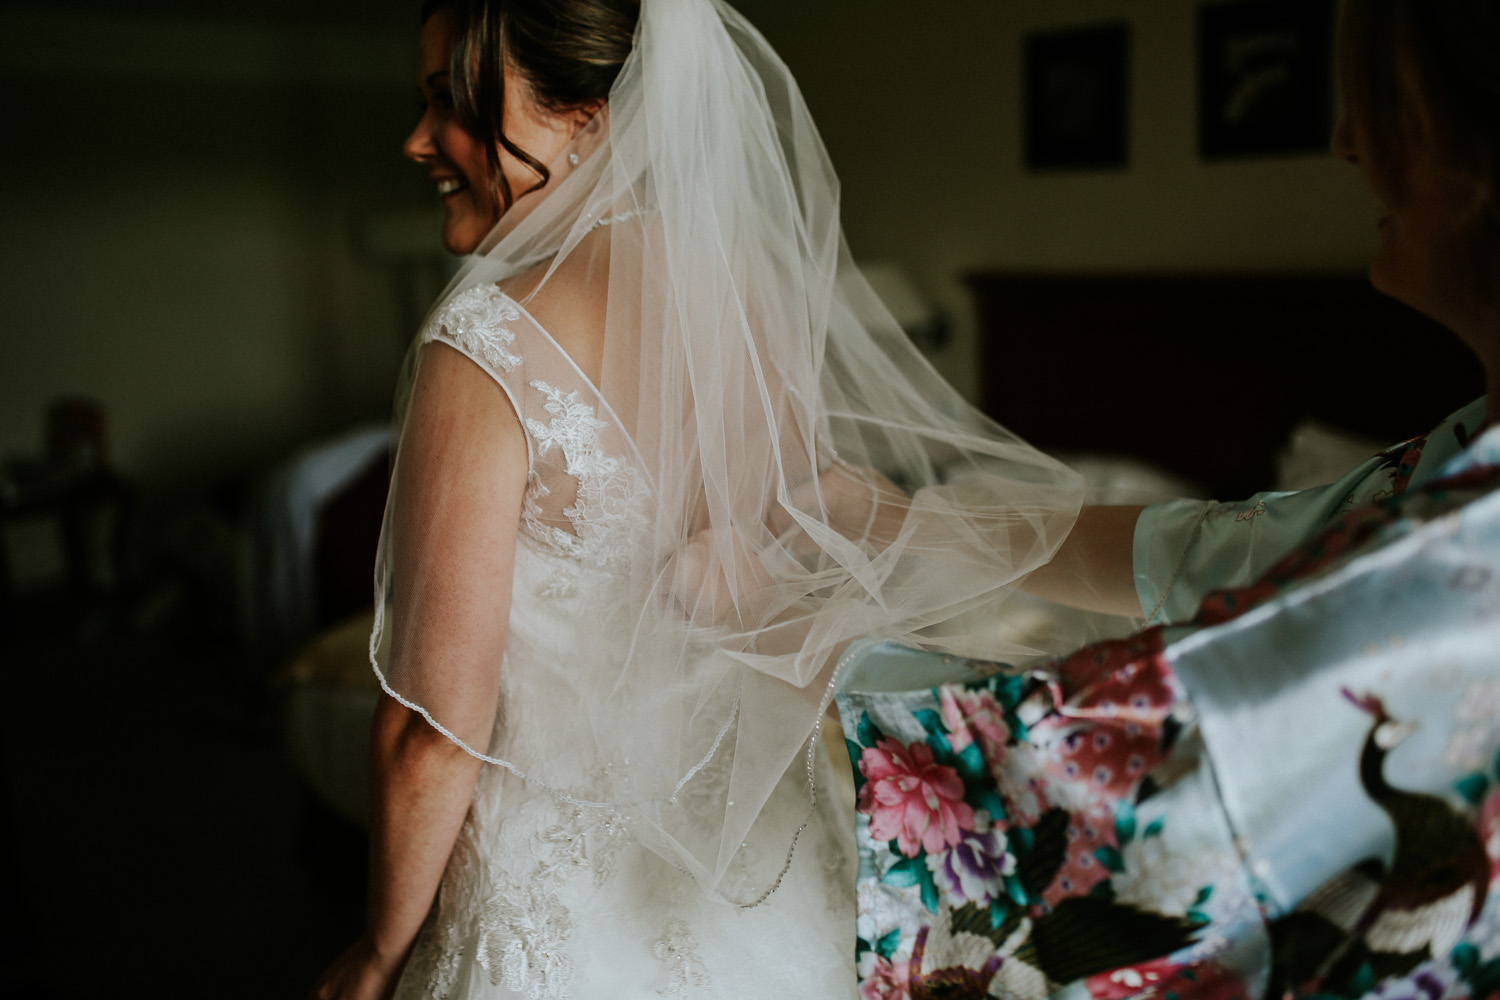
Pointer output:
x,y
562,582
435,953
523,930
677,949
521,925
439,951
606,512
586,840
475,321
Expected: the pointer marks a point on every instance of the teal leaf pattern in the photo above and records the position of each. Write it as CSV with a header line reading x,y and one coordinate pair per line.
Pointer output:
x,y
904,872
930,720
854,755
929,891
1472,787
972,768
1124,822
1465,959
1110,858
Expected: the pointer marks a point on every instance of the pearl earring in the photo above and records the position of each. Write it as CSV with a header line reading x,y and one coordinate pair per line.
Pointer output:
x,y
573,159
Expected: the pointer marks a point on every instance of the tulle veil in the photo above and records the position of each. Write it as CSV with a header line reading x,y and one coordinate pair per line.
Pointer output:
x,y
790,476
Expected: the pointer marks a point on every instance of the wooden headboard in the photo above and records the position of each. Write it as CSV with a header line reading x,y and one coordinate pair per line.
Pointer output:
x,y
1206,374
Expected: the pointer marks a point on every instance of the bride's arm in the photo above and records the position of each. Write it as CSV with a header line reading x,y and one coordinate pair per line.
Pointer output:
x,y
421,784
459,485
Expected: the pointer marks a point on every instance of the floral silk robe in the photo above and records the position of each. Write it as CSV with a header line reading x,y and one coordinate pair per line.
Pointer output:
x,y
1295,794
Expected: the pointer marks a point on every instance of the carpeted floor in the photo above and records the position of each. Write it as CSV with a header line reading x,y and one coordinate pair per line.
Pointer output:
x,y
155,843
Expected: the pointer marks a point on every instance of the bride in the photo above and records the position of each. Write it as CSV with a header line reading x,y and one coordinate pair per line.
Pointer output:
x,y
636,523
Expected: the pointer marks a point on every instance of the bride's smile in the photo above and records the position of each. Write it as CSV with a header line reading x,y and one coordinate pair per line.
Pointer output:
x,y
468,185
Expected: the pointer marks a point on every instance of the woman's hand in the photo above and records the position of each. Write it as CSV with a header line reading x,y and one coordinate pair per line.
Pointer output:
x,y
1094,567
360,973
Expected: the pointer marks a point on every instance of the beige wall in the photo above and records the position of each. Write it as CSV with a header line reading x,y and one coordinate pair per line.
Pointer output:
x,y
180,201
920,106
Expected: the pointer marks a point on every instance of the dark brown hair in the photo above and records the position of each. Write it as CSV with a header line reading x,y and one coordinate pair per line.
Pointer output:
x,y
567,51
1453,47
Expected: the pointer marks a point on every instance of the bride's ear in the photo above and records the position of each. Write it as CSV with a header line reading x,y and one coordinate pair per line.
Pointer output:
x,y
585,115
590,126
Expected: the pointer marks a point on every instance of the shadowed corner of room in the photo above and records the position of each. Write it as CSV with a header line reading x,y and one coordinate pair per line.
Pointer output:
x,y
215,259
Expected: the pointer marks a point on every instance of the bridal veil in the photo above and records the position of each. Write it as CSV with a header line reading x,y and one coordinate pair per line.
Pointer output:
x,y
765,467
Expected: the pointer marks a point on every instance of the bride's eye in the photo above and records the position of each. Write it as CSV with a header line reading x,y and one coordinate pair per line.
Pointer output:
x,y
439,100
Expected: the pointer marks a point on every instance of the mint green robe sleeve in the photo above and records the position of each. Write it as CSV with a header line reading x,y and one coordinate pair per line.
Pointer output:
x,y
1184,549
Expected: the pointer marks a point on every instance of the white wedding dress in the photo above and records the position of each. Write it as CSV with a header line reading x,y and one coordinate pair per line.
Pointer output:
x,y
547,898
702,536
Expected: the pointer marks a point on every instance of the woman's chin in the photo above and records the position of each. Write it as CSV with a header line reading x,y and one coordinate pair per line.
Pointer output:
x,y
460,242
1384,277
464,231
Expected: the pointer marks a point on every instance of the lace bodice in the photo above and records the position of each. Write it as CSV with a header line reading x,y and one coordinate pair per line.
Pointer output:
x,y
586,495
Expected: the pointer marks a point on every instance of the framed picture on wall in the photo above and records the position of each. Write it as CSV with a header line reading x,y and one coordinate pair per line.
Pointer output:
x,y
1264,77
1075,97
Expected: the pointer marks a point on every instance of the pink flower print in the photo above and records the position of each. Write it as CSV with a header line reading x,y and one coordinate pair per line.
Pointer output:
x,y
975,717
1108,759
1110,735
912,799
1489,831
1023,780
1081,868
1162,978
883,979
1096,664
1130,981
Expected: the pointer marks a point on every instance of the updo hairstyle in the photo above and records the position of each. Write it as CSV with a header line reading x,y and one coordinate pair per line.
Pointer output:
x,y
568,52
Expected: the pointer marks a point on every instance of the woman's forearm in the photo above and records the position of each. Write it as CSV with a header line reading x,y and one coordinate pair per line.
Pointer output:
x,y
1093,568
421,786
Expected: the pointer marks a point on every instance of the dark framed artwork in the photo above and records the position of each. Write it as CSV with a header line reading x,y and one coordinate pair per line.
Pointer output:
x,y
1076,94
1264,77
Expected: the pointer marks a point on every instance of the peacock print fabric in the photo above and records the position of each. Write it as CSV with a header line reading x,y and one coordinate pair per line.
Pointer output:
x,y
1296,794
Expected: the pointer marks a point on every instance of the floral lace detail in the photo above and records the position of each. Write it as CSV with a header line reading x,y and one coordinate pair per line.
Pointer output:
x,y
475,322
586,839
606,513
677,949
521,925
439,950
523,930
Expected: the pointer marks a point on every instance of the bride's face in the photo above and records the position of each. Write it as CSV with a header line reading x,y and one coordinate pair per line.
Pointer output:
x,y
456,160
